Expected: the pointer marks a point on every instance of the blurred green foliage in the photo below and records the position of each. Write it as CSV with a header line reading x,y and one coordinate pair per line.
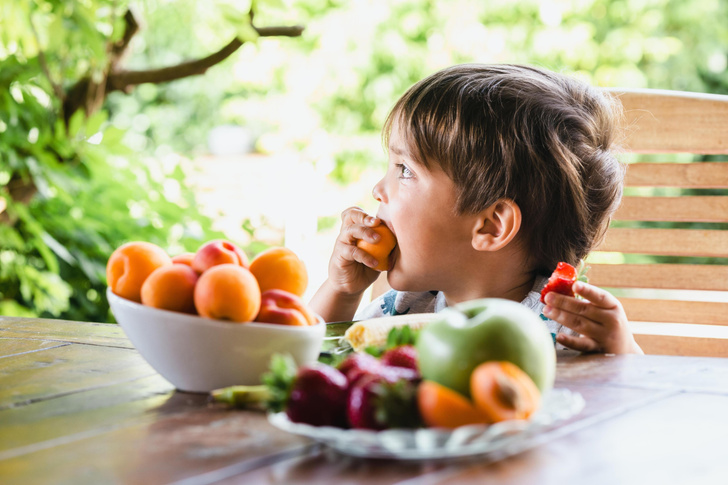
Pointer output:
x,y
93,192
116,176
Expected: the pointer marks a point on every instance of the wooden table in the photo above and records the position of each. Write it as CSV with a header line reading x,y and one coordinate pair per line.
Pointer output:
x,y
79,405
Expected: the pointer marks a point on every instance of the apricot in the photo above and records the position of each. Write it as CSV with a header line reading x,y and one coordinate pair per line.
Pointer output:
x,y
279,306
184,258
280,268
502,391
227,292
441,407
381,249
218,251
171,287
130,264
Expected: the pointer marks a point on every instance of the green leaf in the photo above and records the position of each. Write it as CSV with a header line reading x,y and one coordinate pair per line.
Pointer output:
x,y
76,123
94,122
279,380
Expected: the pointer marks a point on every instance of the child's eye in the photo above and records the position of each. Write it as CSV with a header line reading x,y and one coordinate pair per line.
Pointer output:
x,y
404,172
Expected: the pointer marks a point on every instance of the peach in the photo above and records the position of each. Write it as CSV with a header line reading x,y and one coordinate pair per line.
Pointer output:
x,y
130,264
171,287
217,252
227,292
184,258
281,269
381,249
279,306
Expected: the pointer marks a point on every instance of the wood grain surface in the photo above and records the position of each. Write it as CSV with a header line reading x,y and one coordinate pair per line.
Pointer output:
x,y
79,405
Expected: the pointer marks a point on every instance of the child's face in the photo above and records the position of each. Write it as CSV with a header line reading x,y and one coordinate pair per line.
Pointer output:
x,y
419,205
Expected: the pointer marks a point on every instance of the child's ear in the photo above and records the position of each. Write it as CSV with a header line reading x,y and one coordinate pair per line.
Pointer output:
x,y
496,226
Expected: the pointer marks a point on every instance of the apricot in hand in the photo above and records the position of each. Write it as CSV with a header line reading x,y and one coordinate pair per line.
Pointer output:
x,y
381,249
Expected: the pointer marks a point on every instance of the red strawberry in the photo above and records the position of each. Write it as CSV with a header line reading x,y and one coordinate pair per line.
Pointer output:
x,y
358,365
318,396
389,373
401,356
561,281
376,402
356,362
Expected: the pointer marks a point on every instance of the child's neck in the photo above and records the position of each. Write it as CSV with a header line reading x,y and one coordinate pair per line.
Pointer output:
x,y
510,283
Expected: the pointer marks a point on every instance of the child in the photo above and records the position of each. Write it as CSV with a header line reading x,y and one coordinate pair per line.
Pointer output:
x,y
496,173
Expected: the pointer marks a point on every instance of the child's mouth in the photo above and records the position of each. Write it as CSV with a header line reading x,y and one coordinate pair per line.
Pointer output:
x,y
392,258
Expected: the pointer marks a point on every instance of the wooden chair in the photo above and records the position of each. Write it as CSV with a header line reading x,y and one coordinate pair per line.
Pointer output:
x,y
679,304
675,307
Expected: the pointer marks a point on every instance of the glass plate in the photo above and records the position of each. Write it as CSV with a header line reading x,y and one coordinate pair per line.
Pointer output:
x,y
433,443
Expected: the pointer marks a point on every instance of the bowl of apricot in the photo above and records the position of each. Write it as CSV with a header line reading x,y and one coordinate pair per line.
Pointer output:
x,y
204,328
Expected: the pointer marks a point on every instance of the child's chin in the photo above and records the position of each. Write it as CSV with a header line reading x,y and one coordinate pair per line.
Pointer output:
x,y
398,281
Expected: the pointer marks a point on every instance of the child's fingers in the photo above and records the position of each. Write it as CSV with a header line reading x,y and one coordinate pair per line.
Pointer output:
x,y
582,344
356,231
357,225
575,306
596,295
356,215
579,323
351,252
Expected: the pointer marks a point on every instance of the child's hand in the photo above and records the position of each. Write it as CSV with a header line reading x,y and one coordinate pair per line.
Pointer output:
x,y
350,267
600,319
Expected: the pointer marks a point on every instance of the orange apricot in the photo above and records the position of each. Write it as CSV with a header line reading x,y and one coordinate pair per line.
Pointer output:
x,y
381,249
227,292
171,287
184,258
280,268
130,264
442,407
502,391
218,251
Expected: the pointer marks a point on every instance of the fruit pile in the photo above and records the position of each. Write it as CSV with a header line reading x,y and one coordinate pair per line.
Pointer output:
x,y
484,362
215,282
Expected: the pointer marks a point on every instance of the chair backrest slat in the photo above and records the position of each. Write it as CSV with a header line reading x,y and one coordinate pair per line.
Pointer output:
x,y
661,276
676,311
706,175
674,122
710,208
667,242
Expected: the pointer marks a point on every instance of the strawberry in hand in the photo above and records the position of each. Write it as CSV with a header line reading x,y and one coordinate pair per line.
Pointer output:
x,y
561,281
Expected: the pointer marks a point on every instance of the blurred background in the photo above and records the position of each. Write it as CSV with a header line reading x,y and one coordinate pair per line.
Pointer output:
x,y
179,121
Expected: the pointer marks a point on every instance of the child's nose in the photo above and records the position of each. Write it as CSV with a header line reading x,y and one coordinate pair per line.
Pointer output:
x,y
378,191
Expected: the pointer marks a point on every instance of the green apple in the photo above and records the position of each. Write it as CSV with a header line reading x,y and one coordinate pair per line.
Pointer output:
x,y
477,331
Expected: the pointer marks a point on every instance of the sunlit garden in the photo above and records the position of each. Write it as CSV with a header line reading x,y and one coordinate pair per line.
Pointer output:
x,y
179,121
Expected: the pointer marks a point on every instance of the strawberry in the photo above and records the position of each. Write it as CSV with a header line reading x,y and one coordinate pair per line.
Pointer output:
x,y
401,356
378,402
357,362
318,396
561,281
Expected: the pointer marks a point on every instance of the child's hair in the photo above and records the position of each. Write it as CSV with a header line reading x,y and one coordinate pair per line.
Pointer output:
x,y
536,137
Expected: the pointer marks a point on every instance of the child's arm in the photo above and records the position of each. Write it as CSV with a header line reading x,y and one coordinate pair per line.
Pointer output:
x,y
600,319
350,268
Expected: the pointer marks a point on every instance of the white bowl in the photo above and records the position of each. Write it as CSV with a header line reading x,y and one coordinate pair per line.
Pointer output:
x,y
198,354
